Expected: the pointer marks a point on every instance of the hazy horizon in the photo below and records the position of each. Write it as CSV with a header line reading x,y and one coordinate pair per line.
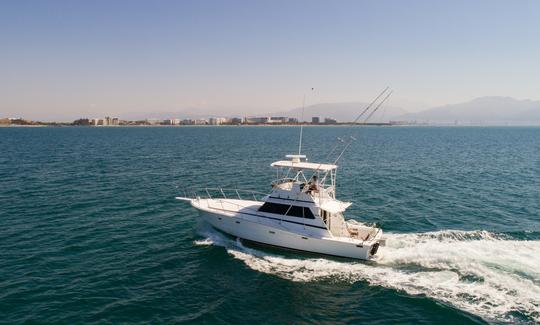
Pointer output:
x,y
68,59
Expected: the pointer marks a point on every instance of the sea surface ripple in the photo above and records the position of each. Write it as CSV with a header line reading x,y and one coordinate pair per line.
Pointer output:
x,y
91,232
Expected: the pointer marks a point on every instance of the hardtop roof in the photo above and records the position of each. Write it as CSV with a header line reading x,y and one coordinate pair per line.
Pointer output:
x,y
304,165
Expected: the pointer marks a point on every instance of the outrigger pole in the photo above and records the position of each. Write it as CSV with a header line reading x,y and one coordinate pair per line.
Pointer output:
x,y
370,104
376,108
351,138
358,118
365,120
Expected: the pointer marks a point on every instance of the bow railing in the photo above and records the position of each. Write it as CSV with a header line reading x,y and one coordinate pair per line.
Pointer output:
x,y
222,193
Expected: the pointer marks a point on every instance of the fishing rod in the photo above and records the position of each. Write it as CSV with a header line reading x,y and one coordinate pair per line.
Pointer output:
x,y
339,140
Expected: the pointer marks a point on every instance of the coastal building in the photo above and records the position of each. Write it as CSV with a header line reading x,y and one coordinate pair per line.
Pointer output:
x,y
217,120
278,119
293,120
172,121
266,120
256,120
236,120
328,120
104,121
81,122
153,121
315,120
194,122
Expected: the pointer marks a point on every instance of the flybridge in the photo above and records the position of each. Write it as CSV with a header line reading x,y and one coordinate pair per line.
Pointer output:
x,y
291,178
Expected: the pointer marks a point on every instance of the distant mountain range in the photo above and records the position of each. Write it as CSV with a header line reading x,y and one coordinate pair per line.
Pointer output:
x,y
483,110
343,112
492,110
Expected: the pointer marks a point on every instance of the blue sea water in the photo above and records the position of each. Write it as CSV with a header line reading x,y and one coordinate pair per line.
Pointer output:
x,y
91,233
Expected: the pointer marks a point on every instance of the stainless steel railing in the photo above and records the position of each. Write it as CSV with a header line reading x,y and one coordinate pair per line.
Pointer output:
x,y
222,193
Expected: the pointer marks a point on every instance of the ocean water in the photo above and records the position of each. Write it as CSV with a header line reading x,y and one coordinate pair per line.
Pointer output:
x,y
91,233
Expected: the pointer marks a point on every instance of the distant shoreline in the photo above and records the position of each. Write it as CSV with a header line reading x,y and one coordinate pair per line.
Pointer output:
x,y
193,125
267,125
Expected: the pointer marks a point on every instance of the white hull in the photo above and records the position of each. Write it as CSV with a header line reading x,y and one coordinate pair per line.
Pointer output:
x,y
301,213
246,229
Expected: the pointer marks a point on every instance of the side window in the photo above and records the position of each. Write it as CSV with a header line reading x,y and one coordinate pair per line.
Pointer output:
x,y
274,208
300,212
308,214
290,210
295,211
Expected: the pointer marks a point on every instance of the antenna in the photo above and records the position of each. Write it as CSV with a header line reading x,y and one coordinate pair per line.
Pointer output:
x,y
302,124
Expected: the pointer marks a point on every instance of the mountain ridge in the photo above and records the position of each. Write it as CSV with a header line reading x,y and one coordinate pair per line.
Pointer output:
x,y
496,110
481,110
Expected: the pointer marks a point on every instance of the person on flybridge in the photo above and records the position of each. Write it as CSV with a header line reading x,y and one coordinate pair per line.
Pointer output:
x,y
313,185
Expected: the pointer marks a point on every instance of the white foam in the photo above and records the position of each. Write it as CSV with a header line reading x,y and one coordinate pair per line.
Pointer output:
x,y
483,273
204,242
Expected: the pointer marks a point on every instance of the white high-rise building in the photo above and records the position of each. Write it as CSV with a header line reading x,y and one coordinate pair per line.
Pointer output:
x,y
217,120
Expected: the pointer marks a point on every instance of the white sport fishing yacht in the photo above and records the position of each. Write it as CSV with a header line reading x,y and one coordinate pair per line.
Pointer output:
x,y
301,213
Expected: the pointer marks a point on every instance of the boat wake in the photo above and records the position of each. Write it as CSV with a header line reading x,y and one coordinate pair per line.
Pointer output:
x,y
490,275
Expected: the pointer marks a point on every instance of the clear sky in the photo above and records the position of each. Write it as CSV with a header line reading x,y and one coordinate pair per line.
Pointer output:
x,y
65,59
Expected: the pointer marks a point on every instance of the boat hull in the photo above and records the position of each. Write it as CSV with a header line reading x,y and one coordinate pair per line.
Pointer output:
x,y
268,235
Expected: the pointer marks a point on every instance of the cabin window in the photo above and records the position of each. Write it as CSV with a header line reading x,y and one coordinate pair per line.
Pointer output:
x,y
294,211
